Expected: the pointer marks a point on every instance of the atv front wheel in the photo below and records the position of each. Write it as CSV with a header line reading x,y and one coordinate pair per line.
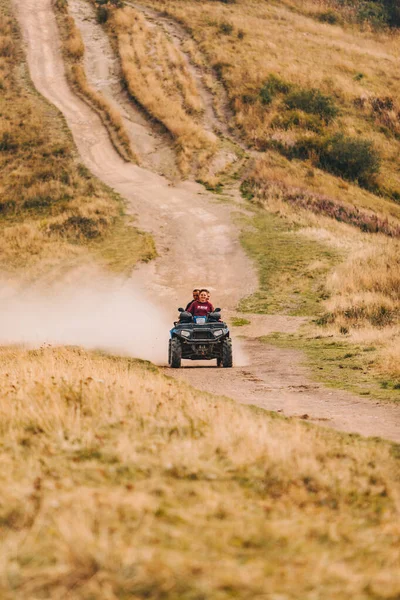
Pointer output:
x,y
227,354
175,353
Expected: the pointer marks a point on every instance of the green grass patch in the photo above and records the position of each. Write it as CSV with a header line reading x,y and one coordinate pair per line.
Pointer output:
x,y
291,268
239,322
341,365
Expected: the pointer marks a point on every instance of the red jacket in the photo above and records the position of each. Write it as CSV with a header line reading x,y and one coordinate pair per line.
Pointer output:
x,y
200,309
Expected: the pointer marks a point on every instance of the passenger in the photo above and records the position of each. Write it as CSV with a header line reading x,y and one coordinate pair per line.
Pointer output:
x,y
196,293
201,307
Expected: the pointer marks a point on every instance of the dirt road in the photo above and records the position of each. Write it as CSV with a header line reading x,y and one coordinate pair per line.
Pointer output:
x,y
186,222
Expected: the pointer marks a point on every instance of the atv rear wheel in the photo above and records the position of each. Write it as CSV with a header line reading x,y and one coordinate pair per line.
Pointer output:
x,y
227,354
175,353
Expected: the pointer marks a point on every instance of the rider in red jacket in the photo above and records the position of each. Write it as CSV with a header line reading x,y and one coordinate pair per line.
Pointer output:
x,y
201,307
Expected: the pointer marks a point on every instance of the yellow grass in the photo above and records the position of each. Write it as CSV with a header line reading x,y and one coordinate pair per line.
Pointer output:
x,y
158,78
247,41
352,66
118,482
43,185
74,50
366,287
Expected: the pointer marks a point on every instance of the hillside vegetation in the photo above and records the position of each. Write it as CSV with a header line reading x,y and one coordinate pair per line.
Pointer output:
x,y
158,79
118,482
313,89
74,51
52,211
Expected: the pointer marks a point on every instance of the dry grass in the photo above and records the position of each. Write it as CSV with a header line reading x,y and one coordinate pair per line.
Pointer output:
x,y
74,50
366,288
353,68
158,78
247,42
118,482
52,210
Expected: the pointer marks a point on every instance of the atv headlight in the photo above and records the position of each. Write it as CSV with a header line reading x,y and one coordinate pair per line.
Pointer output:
x,y
218,332
185,333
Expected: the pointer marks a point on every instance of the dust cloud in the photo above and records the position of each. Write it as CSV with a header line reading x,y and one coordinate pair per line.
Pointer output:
x,y
97,313
94,311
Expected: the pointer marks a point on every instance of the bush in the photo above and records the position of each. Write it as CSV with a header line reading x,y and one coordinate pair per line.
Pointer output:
x,y
219,69
7,207
328,16
312,101
7,48
248,99
352,158
226,28
77,227
393,9
274,85
38,203
374,12
378,12
7,142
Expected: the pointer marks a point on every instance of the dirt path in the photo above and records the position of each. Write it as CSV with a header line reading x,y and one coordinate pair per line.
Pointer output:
x,y
104,75
187,222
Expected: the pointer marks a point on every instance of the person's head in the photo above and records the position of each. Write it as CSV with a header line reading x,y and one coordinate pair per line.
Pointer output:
x,y
196,293
208,295
203,295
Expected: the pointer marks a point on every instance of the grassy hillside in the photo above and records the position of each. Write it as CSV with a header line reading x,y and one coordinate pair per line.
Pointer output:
x,y
118,482
52,211
313,89
158,78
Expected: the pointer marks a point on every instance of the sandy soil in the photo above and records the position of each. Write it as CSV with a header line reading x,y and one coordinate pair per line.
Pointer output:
x,y
195,235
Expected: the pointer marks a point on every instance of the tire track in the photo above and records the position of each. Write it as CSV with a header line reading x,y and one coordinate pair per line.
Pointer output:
x,y
188,224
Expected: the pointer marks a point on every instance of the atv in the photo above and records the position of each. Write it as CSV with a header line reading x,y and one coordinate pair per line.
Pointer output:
x,y
200,338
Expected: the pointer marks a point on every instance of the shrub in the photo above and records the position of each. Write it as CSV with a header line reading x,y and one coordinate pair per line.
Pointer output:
x,y
79,227
393,9
382,104
226,28
328,16
352,158
7,207
312,101
248,99
6,46
219,68
378,12
38,203
274,85
374,12
7,142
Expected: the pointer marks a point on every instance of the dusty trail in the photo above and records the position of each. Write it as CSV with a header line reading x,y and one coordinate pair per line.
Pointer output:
x,y
103,74
187,222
